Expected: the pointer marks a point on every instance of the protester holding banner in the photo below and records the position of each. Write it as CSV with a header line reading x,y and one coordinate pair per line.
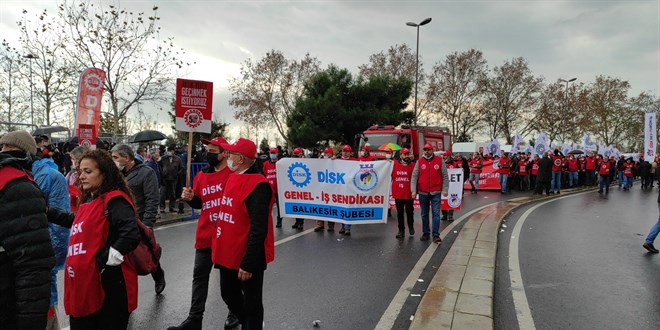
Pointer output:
x,y
403,199
269,168
244,242
365,154
346,154
448,215
206,194
300,222
329,154
430,181
476,164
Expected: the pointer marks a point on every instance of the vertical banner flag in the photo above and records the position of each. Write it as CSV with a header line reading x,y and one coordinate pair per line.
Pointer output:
x,y
494,147
541,144
342,191
566,148
517,141
649,135
454,198
88,107
589,146
194,100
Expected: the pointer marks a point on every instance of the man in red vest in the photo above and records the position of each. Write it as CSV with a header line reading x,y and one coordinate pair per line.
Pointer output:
x,y
430,181
328,153
365,154
26,254
448,215
206,194
504,171
401,175
605,168
590,168
476,164
270,171
346,154
244,242
557,163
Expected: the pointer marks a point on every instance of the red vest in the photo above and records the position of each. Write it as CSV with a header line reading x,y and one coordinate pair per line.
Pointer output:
x,y
504,161
573,165
452,164
475,162
9,174
556,163
269,169
366,159
591,163
83,292
74,198
209,187
401,174
604,168
628,169
233,229
535,167
430,175
522,167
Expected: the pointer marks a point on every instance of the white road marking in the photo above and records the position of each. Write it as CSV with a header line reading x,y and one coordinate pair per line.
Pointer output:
x,y
523,313
292,237
392,312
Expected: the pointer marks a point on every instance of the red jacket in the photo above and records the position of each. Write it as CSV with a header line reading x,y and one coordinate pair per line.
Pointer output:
x,y
590,163
505,170
557,162
573,165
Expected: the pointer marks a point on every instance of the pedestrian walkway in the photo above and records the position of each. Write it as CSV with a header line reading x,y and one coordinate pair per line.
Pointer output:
x,y
460,296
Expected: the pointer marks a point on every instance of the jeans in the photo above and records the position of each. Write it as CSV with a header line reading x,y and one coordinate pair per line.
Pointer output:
x,y
572,179
627,182
620,178
427,201
200,288
555,182
654,230
503,179
474,180
244,299
604,182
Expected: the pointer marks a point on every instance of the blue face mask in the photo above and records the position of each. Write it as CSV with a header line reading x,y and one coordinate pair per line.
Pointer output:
x,y
273,156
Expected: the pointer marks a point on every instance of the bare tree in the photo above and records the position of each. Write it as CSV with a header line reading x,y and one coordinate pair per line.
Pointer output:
x,y
139,66
608,105
456,89
267,90
51,73
11,105
511,96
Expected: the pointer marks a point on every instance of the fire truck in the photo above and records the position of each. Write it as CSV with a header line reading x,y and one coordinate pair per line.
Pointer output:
x,y
411,137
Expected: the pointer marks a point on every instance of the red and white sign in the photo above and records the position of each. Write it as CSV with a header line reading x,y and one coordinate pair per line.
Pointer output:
x,y
88,111
489,179
454,198
194,100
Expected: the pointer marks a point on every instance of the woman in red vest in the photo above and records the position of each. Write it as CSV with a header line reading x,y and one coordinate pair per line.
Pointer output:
x,y
401,175
100,284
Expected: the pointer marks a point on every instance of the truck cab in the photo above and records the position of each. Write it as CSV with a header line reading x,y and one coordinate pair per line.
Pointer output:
x,y
411,137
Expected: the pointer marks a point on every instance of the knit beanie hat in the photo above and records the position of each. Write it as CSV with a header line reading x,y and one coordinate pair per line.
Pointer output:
x,y
22,140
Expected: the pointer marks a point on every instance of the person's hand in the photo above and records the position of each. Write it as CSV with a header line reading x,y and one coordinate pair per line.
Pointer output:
x,y
187,194
444,194
243,275
414,195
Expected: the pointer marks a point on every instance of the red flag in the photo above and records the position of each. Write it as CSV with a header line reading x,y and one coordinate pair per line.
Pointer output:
x,y
88,118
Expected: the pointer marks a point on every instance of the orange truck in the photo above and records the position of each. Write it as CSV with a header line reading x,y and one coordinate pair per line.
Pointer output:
x,y
411,137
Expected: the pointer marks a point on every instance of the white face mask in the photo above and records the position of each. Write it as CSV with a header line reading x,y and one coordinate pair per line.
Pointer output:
x,y
120,166
388,156
364,154
230,164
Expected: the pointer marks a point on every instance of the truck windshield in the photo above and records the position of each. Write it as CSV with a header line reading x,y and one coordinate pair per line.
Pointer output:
x,y
377,140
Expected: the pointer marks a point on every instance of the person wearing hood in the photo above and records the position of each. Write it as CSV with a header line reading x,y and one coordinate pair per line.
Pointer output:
x,y
55,188
430,181
26,254
144,184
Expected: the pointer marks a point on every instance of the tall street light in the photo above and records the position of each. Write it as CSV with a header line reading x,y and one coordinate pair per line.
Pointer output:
x,y
31,57
566,103
424,22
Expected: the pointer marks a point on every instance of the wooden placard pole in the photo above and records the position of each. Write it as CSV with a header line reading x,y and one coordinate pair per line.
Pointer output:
x,y
189,161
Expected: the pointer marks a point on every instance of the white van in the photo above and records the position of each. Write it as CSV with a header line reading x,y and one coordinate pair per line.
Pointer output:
x,y
467,148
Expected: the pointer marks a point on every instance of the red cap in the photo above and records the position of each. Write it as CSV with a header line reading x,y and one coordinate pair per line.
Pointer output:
x,y
45,152
242,146
428,146
405,151
346,147
328,150
366,148
447,153
217,141
297,151
274,151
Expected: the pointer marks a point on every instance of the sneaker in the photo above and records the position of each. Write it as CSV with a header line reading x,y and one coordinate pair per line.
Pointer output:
x,y
347,232
342,230
650,247
425,237
319,228
436,239
188,324
450,219
232,321
401,234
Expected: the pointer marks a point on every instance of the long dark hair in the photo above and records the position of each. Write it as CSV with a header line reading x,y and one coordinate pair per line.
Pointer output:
x,y
112,177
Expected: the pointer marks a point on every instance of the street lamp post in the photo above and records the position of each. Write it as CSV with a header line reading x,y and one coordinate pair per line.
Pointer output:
x,y
416,25
566,103
31,57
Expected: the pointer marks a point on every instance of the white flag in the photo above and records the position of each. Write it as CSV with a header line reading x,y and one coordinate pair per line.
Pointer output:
x,y
649,136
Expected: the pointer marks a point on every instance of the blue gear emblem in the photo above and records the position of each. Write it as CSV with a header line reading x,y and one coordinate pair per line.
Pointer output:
x,y
299,174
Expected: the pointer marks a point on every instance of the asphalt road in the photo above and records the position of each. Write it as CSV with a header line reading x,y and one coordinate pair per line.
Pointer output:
x,y
345,282
582,263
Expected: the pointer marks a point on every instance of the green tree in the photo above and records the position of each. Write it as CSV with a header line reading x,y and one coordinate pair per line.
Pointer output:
x,y
335,107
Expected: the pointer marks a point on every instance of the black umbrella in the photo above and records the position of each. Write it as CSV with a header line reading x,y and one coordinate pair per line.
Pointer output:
x,y
575,152
48,130
147,136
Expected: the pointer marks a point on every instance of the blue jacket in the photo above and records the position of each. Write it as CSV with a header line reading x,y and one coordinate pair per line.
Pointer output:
x,y
56,191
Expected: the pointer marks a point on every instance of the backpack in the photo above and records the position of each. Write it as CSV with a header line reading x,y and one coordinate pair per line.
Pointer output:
x,y
146,256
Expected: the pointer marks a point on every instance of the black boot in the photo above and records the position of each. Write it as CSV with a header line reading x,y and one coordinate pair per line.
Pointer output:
x,y
188,324
401,234
232,321
159,280
279,223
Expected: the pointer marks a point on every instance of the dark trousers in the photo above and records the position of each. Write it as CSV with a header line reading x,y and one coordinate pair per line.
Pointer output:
x,y
114,313
200,284
244,299
407,205
167,192
591,174
532,182
541,185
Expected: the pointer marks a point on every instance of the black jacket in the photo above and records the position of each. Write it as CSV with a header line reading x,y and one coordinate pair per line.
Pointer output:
x,y
545,169
257,203
144,183
26,256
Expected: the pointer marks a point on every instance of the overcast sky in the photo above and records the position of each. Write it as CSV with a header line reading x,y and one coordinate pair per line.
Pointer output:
x,y
560,39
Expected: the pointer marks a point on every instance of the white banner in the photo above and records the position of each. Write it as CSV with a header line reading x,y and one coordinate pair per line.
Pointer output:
x,y
454,198
342,191
649,136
